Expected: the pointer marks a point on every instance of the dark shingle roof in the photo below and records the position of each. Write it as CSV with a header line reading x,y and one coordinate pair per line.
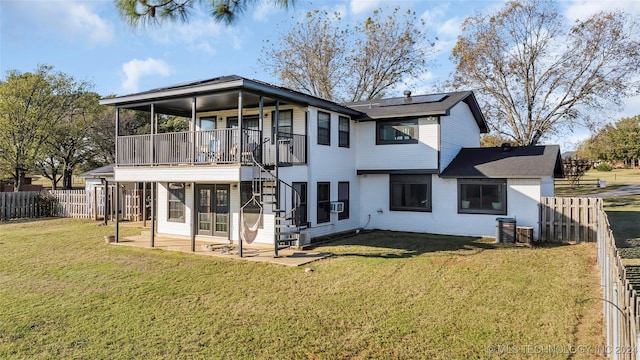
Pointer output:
x,y
421,105
506,162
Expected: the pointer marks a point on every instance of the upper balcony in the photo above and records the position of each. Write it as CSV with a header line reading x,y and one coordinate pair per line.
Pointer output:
x,y
211,147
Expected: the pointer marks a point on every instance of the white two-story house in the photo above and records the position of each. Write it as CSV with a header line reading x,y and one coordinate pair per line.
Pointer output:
x,y
265,164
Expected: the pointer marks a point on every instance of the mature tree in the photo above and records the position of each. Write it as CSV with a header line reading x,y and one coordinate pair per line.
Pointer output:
x,y
325,57
493,140
614,142
31,105
68,144
142,12
596,147
625,139
538,77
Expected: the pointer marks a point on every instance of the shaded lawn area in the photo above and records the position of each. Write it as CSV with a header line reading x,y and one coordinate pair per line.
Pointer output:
x,y
624,217
64,293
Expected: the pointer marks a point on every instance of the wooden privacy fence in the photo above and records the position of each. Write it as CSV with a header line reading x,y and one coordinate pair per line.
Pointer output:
x,y
26,204
568,219
71,203
74,203
620,301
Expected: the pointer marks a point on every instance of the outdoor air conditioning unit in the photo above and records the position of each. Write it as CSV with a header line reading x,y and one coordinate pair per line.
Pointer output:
x,y
337,206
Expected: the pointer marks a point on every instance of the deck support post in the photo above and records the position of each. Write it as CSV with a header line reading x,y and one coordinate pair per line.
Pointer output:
x,y
239,157
153,214
276,236
117,206
194,219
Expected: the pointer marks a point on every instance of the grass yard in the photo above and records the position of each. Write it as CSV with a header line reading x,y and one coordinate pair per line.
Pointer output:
x,y
623,211
64,293
615,179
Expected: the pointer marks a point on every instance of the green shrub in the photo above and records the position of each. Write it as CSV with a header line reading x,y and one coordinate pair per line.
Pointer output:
x,y
604,167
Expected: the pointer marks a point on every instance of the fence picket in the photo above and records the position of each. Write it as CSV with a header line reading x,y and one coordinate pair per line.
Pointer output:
x,y
564,219
68,203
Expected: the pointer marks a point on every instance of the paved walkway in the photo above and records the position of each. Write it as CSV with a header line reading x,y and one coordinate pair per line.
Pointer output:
x,y
625,190
253,252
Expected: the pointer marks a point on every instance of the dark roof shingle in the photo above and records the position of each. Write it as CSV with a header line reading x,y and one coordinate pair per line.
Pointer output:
x,y
506,162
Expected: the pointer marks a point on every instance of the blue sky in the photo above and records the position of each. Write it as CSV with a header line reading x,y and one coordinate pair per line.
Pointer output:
x,y
87,40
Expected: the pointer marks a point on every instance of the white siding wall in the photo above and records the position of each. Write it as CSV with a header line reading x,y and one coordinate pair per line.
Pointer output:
x,y
172,227
457,130
331,163
423,155
522,201
177,173
547,187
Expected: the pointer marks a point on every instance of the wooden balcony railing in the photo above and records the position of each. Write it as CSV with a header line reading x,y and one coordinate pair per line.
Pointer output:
x,y
209,147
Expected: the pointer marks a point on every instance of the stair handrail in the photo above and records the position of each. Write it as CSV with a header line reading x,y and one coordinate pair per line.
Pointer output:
x,y
262,170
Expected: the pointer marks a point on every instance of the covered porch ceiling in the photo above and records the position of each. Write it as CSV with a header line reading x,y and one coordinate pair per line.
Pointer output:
x,y
221,93
181,106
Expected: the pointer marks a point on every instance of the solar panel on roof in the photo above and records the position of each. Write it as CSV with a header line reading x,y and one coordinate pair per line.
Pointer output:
x,y
420,99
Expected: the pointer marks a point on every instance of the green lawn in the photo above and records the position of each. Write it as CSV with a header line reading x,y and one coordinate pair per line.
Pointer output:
x,y
64,293
623,211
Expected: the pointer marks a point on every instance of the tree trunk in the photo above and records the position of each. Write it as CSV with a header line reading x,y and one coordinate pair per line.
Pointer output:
x,y
66,179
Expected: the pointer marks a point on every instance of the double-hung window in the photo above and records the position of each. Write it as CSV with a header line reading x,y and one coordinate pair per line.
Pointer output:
x,y
343,131
175,200
324,203
397,131
482,196
410,192
343,196
324,128
300,195
284,121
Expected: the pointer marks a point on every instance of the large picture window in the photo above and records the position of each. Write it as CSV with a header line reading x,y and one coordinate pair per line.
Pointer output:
x,y
397,132
175,202
324,204
482,196
324,128
410,192
343,131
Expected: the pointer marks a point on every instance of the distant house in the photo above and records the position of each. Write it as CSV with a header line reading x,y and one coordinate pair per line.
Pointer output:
x,y
301,167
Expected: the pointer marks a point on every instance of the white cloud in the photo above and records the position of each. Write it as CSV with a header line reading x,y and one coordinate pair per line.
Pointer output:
x,y
582,9
360,6
83,21
451,28
196,36
73,20
264,10
135,69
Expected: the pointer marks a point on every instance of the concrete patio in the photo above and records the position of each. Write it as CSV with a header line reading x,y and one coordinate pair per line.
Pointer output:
x,y
251,252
